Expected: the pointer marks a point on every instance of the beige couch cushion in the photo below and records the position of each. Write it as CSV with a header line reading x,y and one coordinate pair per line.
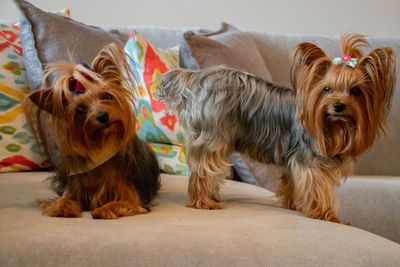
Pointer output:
x,y
249,231
372,203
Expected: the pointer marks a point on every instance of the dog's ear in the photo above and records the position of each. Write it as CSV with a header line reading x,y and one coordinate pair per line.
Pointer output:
x,y
309,64
43,98
111,64
379,68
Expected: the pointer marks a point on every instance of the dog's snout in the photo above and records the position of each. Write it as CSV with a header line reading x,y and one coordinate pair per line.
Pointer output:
x,y
102,117
339,107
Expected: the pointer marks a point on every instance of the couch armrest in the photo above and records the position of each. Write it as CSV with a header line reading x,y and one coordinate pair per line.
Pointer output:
x,y
372,203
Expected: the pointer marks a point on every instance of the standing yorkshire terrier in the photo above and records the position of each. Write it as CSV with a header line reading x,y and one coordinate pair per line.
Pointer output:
x,y
104,167
314,132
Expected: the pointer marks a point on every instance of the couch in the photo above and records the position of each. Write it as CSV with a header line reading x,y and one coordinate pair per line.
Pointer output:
x,y
251,230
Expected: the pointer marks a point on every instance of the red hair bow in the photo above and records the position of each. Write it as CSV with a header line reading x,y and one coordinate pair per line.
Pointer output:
x,y
75,86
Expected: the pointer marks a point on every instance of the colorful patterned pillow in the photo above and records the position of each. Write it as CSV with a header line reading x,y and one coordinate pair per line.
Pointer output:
x,y
18,150
155,125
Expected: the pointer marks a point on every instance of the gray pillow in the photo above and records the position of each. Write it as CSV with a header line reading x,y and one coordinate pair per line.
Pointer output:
x,y
48,38
227,46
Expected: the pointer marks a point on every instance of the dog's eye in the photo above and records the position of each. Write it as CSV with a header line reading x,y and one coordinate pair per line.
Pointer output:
x,y
327,90
81,109
355,91
107,96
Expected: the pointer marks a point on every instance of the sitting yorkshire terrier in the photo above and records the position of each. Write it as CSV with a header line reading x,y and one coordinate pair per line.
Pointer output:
x,y
314,132
104,167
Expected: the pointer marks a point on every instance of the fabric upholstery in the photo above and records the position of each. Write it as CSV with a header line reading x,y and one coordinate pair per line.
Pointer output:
x,y
158,36
372,204
250,231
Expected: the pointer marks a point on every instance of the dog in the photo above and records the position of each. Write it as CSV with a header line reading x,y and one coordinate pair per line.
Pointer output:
x,y
312,131
104,167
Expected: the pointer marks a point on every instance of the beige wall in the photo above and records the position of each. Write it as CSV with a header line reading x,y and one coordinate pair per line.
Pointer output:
x,y
323,17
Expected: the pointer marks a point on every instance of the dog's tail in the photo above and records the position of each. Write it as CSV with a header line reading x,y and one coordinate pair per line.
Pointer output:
x,y
175,89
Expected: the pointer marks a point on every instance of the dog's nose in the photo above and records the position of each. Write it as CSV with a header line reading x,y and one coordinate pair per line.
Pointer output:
x,y
339,107
102,117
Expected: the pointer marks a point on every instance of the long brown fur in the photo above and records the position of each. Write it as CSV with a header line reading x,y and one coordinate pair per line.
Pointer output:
x,y
374,75
312,132
89,124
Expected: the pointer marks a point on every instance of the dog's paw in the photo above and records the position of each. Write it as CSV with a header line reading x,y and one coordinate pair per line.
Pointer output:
x,y
104,213
329,216
336,220
207,204
61,207
114,210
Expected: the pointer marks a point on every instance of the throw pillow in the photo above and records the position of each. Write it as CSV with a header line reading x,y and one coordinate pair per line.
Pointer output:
x,y
18,150
227,46
48,38
155,125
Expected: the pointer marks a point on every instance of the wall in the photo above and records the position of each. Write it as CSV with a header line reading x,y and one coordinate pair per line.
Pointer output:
x,y
322,17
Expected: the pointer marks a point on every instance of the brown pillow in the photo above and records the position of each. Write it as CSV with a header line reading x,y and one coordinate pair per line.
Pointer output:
x,y
228,46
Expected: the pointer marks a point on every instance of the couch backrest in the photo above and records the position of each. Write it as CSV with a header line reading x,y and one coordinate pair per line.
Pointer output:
x,y
384,157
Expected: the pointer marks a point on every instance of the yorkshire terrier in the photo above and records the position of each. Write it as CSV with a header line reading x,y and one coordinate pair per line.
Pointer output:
x,y
103,167
312,132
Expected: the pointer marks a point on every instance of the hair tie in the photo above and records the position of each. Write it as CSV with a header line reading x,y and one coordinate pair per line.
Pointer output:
x,y
345,60
74,85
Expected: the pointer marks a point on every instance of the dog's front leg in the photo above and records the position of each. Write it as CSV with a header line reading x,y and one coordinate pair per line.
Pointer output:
x,y
313,192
